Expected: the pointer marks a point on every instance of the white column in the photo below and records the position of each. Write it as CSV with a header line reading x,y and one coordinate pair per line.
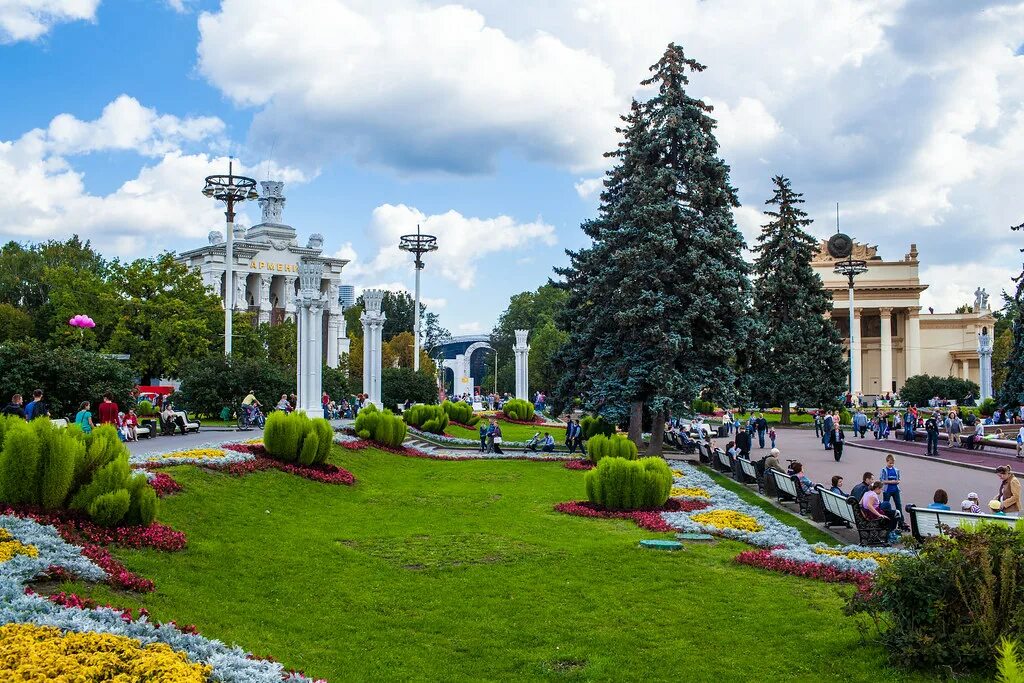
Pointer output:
x,y
373,327
265,280
522,351
241,287
913,350
886,350
856,365
416,323
984,364
332,339
310,362
289,297
229,283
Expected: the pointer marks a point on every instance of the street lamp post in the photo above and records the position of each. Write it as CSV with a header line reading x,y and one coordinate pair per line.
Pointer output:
x,y
418,245
229,189
841,246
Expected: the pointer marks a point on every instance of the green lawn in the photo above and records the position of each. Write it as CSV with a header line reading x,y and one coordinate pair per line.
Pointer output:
x,y
510,431
776,417
429,570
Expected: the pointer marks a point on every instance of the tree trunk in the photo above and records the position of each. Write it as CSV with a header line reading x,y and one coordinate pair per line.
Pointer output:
x,y
785,413
657,434
636,423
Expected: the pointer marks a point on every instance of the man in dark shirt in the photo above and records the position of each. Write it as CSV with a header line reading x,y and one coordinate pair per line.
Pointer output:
x,y
931,427
743,443
36,407
15,407
863,487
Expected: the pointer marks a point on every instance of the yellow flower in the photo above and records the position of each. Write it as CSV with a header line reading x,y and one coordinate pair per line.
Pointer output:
x,y
9,547
727,519
44,653
195,454
880,558
689,492
678,474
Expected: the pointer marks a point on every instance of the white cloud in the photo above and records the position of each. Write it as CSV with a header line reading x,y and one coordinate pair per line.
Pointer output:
x,y
746,126
32,19
408,85
588,187
180,6
462,241
430,302
473,327
161,207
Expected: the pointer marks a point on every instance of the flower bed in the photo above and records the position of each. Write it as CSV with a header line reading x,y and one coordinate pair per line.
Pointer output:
x,y
579,465
203,456
646,519
782,548
690,492
163,483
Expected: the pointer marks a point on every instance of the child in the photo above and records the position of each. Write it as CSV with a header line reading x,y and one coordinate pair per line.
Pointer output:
x,y
995,507
771,435
130,425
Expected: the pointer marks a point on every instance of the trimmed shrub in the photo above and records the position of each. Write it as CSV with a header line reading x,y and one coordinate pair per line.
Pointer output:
x,y
987,407
19,464
620,484
383,427
310,447
460,412
702,407
428,418
518,409
591,426
325,438
107,479
143,507
146,409
616,446
845,417
110,508
59,455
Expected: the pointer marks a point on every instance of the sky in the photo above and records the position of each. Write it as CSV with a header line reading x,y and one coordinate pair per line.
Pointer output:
x,y
486,123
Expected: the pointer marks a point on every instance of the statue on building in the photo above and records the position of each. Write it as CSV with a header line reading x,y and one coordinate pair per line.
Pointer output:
x,y
980,300
272,201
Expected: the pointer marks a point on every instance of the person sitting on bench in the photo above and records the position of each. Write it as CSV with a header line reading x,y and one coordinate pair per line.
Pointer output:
x,y
171,419
549,443
872,507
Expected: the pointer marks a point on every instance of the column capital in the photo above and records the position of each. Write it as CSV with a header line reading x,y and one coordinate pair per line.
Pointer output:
x,y
856,313
914,311
885,311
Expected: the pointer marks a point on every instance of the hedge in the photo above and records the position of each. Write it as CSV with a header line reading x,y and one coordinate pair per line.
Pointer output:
x,y
382,426
294,437
460,412
590,426
600,446
427,418
518,409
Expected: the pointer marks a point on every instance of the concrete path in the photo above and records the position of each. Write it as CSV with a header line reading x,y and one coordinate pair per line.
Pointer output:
x,y
922,475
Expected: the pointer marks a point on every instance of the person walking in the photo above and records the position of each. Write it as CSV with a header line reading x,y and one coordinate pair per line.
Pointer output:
x,y
483,437
890,479
14,407
838,441
931,428
956,425
828,425
496,439
817,425
743,443
108,410
762,428
36,407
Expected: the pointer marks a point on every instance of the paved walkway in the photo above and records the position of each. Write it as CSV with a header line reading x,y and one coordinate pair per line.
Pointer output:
x,y
921,474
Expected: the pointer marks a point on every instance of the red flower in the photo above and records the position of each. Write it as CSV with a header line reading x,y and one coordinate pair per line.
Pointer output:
x,y
645,519
579,465
164,485
811,570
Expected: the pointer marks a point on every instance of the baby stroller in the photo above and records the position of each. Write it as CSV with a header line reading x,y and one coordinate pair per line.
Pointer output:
x,y
532,444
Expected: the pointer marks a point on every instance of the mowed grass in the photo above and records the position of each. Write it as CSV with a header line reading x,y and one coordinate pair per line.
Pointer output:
x,y
510,431
429,570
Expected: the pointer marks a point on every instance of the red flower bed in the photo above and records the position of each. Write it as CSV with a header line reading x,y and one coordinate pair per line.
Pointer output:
x,y
645,519
579,465
164,485
325,473
810,570
118,574
356,445
78,529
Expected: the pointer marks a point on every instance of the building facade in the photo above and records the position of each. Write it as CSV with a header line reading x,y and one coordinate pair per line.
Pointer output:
x,y
896,339
266,270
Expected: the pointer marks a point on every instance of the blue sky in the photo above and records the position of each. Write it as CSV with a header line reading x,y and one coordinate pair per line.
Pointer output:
x,y
486,123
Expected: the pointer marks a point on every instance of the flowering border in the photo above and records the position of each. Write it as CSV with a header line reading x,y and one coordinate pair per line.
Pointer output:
x,y
651,520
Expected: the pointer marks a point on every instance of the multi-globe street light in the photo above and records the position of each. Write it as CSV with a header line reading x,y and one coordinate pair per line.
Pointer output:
x,y
229,189
418,245
840,246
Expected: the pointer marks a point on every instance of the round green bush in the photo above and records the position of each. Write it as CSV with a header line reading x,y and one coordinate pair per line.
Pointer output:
x,y
285,436
620,484
431,419
600,446
460,412
518,409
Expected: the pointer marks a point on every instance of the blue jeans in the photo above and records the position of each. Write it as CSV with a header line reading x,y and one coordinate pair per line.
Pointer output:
x,y
893,496
933,443
760,439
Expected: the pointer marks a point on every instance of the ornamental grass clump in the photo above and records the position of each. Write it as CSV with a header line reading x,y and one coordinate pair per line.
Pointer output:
x,y
518,409
949,607
620,484
294,437
384,427
460,412
431,419
615,446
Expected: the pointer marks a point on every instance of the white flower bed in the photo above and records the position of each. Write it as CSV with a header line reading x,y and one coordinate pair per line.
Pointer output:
x,y
53,550
786,540
459,441
178,457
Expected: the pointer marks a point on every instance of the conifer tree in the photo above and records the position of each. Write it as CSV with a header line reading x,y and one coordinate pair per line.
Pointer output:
x,y
1011,395
656,311
800,354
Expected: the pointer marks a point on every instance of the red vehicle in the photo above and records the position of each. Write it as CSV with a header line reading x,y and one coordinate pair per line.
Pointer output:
x,y
151,393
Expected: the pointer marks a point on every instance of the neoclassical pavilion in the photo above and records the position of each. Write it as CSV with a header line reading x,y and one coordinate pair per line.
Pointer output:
x,y
897,340
266,269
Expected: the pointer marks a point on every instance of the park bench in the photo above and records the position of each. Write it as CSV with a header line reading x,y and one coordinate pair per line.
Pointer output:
x,y
749,471
926,522
59,422
724,462
167,427
789,490
838,509
704,455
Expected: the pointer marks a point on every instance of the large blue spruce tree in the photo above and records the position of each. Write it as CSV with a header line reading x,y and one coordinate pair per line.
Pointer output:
x,y
800,355
1011,393
658,306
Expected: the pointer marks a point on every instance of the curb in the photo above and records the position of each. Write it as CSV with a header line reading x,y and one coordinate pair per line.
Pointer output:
x,y
931,458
